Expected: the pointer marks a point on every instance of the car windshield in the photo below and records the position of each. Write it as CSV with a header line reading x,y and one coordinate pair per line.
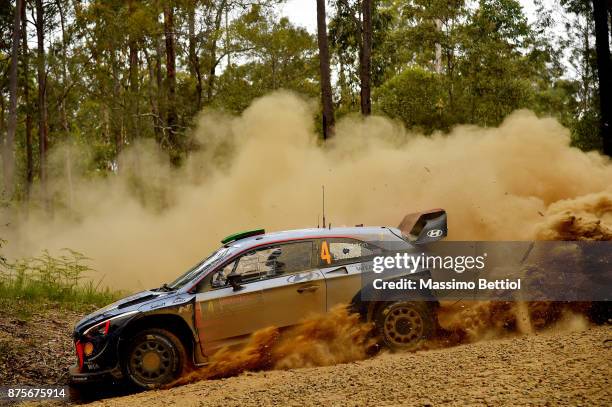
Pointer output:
x,y
198,268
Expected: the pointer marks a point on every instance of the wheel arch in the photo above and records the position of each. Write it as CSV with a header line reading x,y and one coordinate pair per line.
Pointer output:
x,y
367,308
171,322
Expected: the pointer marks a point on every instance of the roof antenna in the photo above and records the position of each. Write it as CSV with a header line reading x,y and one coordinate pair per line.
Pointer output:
x,y
323,188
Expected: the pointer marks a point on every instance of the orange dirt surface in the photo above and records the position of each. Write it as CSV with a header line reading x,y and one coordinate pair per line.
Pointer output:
x,y
556,367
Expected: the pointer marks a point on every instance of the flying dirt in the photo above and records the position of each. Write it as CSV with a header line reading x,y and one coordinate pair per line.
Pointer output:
x,y
322,340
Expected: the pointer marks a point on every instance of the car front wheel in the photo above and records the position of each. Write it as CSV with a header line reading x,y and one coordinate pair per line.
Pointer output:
x,y
155,357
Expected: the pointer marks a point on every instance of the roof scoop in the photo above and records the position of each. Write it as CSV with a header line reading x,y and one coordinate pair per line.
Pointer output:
x,y
242,235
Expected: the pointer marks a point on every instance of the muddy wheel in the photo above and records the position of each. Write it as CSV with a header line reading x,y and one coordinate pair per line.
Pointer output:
x,y
404,325
155,357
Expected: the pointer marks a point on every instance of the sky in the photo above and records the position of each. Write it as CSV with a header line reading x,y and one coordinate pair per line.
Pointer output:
x,y
304,12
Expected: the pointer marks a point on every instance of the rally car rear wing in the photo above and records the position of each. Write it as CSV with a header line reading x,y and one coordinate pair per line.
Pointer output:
x,y
424,227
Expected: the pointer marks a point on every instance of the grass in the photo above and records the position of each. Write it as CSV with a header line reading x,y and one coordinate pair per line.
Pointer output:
x,y
65,279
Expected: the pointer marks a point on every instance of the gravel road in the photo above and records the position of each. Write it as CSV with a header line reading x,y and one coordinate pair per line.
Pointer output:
x,y
546,369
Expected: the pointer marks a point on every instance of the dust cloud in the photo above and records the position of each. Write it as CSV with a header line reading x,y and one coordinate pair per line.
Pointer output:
x,y
587,217
146,223
475,321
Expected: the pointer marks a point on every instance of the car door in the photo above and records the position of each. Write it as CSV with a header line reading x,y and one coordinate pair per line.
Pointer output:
x,y
341,261
280,286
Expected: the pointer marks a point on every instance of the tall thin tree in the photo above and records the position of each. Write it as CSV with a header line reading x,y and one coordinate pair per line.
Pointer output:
x,y
604,70
26,100
133,67
9,143
215,36
42,96
194,58
326,90
171,116
365,68
64,67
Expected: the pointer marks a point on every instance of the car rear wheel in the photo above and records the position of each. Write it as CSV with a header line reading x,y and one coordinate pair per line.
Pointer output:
x,y
155,357
404,325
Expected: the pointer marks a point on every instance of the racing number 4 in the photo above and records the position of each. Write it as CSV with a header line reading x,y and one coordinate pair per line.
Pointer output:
x,y
325,253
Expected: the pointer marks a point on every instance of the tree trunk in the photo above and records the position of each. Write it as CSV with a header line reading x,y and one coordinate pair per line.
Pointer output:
x,y
365,71
134,97
171,116
326,90
134,94
62,104
438,48
2,122
604,70
116,122
227,38
133,66
9,143
194,60
212,74
42,98
153,94
586,64
26,102
160,103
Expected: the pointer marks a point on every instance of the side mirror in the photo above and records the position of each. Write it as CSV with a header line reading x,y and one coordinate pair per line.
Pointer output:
x,y
425,227
235,280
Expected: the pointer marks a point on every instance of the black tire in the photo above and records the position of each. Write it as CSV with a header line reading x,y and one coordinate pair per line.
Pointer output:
x,y
404,325
155,357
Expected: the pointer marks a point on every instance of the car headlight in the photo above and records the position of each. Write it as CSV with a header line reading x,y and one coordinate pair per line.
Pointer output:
x,y
102,328
88,348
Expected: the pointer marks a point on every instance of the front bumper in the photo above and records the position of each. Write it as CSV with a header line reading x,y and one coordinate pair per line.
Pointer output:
x,y
76,376
101,366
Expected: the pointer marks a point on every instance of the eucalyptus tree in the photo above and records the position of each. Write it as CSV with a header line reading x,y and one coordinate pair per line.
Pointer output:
x,y
324,69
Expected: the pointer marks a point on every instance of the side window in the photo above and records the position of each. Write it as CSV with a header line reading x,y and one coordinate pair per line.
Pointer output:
x,y
219,277
344,251
267,262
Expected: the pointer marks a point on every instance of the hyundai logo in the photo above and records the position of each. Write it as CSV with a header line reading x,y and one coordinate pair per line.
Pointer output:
x,y
435,233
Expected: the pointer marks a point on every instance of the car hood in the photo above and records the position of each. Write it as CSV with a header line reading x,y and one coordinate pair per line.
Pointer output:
x,y
127,304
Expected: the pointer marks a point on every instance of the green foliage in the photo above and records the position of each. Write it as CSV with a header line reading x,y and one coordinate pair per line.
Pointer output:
x,y
64,279
481,54
278,54
415,96
585,134
487,61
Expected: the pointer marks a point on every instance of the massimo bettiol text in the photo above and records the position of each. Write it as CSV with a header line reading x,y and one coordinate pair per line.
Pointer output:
x,y
412,264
